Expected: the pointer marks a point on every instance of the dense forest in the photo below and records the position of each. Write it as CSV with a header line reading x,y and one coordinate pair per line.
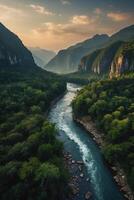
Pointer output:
x,y
31,165
110,103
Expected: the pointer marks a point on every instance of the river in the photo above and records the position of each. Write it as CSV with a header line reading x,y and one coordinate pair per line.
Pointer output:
x,y
82,147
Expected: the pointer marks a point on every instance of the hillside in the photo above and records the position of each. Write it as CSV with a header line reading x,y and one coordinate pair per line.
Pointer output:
x,y
67,60
108,59
31,160
100,60
113,60
125,34
41,56
123,60
12,50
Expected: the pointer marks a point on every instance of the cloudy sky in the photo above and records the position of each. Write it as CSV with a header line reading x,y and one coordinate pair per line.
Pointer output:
x,y
57,24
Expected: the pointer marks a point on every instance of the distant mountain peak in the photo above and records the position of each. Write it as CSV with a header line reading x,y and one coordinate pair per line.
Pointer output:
x,y
67,60
42,56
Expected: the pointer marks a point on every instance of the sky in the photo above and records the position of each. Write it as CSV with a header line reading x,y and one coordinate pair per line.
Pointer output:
x,y
57,24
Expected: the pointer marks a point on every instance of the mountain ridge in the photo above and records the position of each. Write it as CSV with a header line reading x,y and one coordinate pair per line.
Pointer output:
x,y
12,50
105,60
41,56
67,60
71,56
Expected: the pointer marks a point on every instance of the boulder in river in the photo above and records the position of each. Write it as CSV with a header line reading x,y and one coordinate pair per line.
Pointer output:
x,y
73,161
81,175
88,195
80,162
74,189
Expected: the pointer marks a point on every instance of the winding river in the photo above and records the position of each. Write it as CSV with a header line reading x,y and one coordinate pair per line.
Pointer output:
x,y
82,147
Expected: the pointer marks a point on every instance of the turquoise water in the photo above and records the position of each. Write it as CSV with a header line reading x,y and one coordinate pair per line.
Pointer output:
x,y
82,147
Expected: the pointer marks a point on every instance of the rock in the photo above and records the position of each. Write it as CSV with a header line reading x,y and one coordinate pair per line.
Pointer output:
x,y
124,189
126,196
81,175
80,168
123,177
80,162
88,195
74,189
114,168
73,161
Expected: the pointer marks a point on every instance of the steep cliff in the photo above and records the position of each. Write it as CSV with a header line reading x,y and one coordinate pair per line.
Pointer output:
x,y
12,50
67,60
123,60
100,60
107,59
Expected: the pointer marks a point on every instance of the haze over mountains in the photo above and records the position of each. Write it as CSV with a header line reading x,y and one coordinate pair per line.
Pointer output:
x,y
101,54
41,56
68,60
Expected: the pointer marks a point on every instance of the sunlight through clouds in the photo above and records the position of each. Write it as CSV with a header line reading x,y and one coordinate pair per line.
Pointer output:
x,y
68,21
41,9
118,16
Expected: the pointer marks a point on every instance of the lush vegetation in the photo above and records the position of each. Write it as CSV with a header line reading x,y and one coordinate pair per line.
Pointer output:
x,y
82,77
31,165
111,105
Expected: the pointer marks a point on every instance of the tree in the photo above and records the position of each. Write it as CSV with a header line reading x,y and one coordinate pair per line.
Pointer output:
x,y
28,169
45,152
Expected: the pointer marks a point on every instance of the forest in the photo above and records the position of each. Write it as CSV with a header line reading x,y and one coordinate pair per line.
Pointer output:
x,y
31,160
110,103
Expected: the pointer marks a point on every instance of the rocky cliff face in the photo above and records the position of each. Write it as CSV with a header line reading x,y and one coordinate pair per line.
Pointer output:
x,y
105,60
113,60
67,60
12,50
100,60
123,61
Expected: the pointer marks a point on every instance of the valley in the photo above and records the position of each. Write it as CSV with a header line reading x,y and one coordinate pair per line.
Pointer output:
x,y
67,114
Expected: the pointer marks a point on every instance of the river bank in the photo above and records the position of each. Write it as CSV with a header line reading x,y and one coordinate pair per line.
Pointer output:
x,y
53,102
76,172
75,167
95,181
118,174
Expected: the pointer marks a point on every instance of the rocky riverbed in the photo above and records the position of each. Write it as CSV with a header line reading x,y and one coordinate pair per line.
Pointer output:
x,y
75,168
98,137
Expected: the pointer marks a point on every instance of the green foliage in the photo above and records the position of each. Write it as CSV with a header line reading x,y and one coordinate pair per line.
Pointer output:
x,y
27,140
110,104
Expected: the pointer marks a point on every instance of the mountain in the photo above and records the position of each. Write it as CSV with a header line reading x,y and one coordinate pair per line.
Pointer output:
x,y
112,58
123,60
68,59
41,56
12,50
124,34
26,93
99,61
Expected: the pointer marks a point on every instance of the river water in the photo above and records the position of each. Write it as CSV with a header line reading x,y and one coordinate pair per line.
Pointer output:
x,y
82,147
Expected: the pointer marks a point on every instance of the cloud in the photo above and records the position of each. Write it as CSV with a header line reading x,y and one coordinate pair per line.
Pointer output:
x,y
118,16
65,2
41,10
98,11
78,24
8,13
80,19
